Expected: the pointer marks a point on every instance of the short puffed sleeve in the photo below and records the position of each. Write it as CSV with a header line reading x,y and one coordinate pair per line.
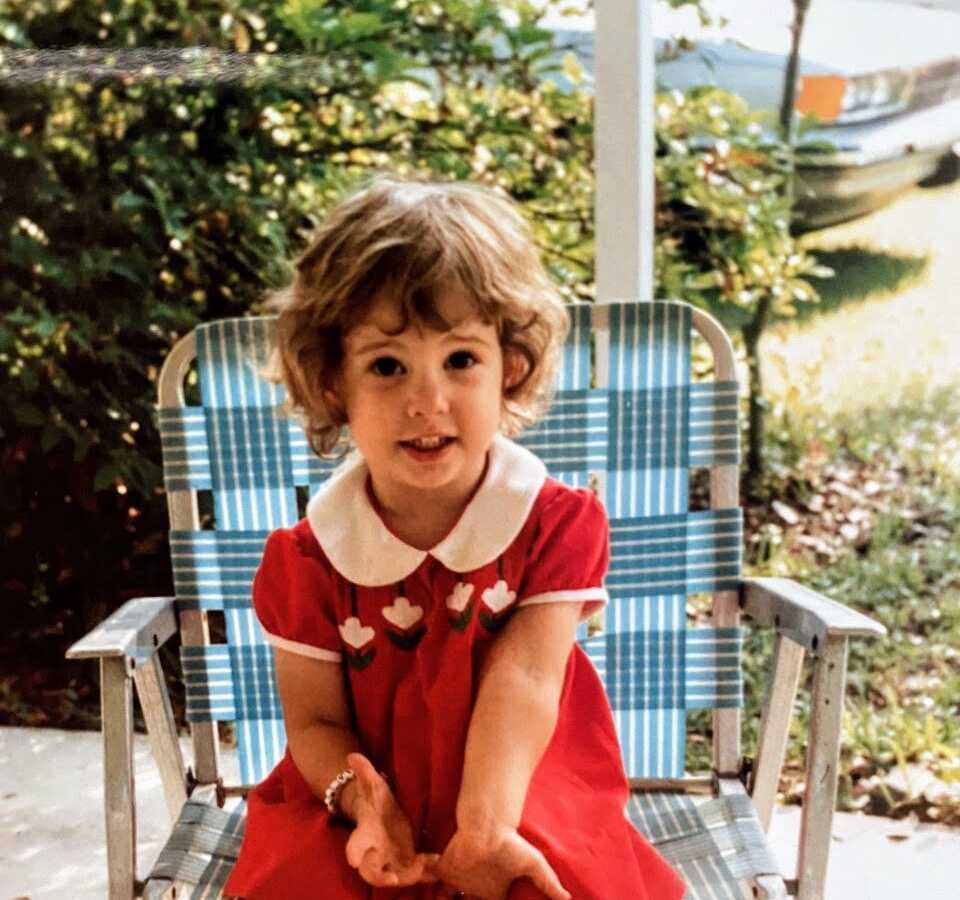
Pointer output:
x,y
570,553
293,596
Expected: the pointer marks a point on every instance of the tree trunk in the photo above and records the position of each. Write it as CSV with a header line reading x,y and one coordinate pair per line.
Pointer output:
x,y
753,330
788,116
756,404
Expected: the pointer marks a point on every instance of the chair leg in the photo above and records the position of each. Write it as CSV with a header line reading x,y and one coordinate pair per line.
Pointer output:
x,y
770,887
823,758
160,889
162,734
116,697
775,726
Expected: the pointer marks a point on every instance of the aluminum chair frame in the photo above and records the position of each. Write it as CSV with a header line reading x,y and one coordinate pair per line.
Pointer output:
x,y
806,625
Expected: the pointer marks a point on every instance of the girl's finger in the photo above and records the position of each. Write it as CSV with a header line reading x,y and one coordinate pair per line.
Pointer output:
x,y
375,871
542,875
362,766
372,859
547,881
370,782
422,866
415,872
356,849
430,863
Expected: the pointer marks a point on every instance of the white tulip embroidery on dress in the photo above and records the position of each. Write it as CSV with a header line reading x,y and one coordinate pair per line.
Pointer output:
x,y
497,602
408,627
356,636
460,606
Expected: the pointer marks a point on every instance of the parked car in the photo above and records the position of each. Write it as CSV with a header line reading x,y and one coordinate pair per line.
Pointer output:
x,y
883,80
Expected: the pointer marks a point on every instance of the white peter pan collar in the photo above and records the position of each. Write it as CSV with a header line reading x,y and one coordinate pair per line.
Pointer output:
x,y
362,549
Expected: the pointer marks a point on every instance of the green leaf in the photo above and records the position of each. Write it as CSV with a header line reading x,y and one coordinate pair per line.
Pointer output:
x,y
118,267
50,437
167,214
18,317
82,446
390,65
524,35
105,477
362,25
45,327
28,414
129,201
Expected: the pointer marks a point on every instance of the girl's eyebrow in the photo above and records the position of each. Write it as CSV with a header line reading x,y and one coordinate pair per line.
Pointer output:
x,y
470,336
375,345
380,344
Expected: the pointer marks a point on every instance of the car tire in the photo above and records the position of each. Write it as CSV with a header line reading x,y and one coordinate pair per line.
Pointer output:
x,y
947,172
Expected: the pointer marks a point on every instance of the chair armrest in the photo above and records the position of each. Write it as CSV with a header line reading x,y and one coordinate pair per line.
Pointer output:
x,y
126,644
803,615
135,632
804,621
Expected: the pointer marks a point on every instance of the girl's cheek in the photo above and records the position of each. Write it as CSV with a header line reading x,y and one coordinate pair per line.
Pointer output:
x,y
378,384
473,376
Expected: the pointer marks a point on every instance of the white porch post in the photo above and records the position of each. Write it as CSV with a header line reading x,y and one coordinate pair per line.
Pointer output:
x,y
624,149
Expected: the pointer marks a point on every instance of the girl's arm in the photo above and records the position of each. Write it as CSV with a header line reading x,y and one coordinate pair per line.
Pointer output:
x,y
513,720
316,717
322,743
515,713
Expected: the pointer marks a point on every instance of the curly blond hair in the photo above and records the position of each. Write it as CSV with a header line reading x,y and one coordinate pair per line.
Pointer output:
x,y
411,239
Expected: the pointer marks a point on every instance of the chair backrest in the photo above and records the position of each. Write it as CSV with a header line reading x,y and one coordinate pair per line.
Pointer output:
x,y
626,420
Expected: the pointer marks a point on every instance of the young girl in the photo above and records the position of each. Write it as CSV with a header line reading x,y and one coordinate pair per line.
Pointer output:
x,y
446,736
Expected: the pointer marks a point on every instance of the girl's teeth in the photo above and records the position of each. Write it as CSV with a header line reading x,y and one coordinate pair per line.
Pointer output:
x,y
429,443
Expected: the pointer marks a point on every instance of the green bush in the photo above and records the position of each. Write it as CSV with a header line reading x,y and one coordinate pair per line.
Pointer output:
x,y
137,205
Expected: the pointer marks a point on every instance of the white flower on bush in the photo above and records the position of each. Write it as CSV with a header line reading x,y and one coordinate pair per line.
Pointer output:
x,y
355,634
460,597
402,614
498,597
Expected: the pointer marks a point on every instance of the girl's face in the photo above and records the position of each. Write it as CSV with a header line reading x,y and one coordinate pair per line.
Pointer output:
x,y
424,405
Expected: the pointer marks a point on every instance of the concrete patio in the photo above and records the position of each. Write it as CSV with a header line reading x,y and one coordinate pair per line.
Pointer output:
x,y
51,830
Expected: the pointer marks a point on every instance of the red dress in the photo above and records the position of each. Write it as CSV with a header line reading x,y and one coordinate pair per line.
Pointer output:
x,y
412,629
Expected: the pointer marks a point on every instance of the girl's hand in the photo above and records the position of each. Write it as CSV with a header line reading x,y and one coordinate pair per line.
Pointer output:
x,y
381,845
483,865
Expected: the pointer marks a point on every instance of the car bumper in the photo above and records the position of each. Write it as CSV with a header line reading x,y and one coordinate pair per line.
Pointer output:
x,y
870,164
825,196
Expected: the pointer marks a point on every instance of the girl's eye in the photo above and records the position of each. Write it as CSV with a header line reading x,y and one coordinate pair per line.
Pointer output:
x,y
462,359
385,366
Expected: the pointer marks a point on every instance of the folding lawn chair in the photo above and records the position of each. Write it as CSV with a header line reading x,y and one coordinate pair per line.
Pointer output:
x,y
634,437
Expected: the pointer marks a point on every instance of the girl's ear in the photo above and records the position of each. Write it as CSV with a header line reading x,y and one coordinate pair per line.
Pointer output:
x,y
515,368
335,409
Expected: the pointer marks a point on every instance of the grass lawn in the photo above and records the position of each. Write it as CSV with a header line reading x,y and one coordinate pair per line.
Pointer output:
x,y
888,326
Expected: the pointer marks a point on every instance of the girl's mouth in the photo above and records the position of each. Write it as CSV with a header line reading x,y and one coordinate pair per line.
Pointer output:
x,y
427,450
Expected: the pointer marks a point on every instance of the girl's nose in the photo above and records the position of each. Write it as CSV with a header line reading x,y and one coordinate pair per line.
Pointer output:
x,y
427,396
